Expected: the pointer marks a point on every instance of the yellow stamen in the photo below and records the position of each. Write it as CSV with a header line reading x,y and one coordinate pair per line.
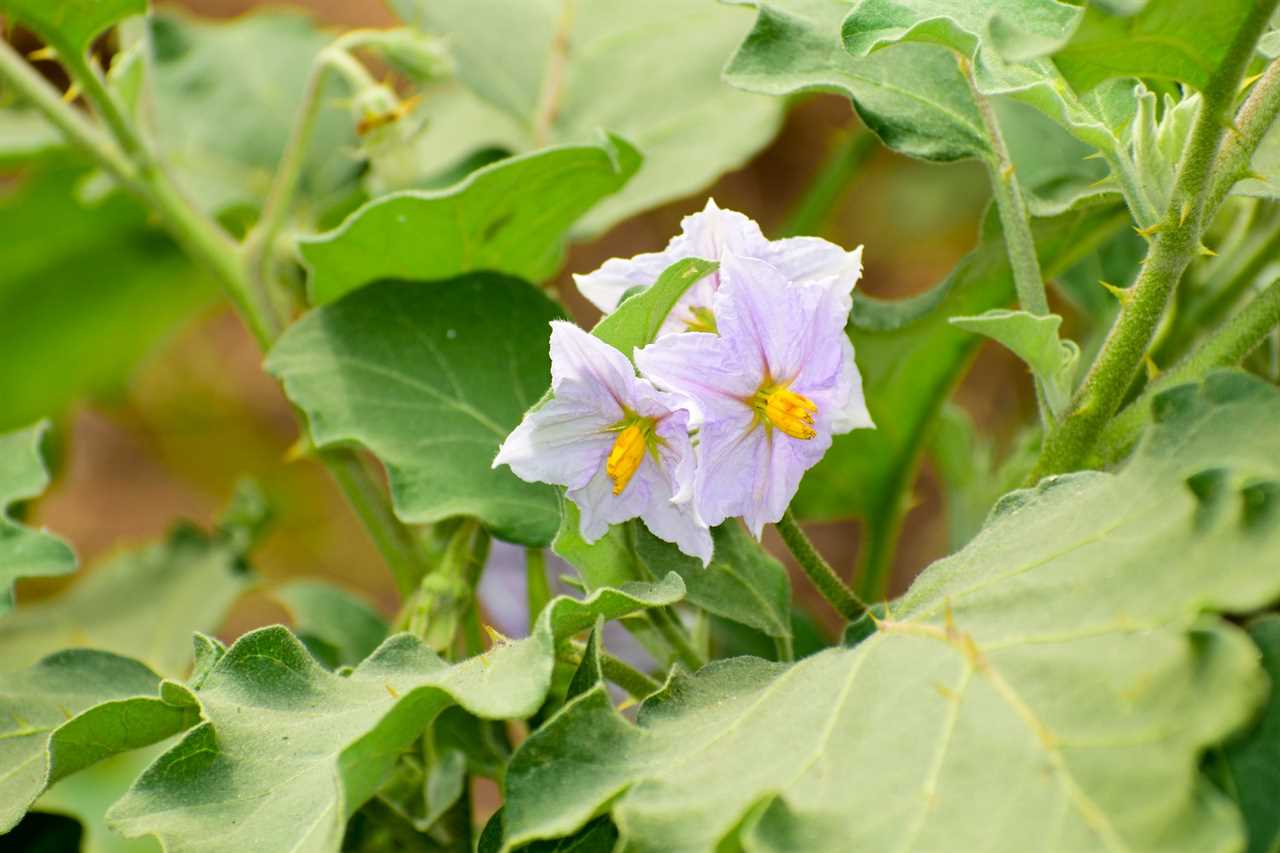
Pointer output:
x,y
625,457
703,320
788,411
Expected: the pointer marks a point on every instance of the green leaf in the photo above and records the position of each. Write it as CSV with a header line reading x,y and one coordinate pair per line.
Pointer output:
x,y
1003,704
1034,340
1252,763
71,25
1182,40
87,795
226,94
558,81
25,552
431,379
123,288
326,617
910,360
73,709
510,217
187,583
913,97
743,582
288,751
636,321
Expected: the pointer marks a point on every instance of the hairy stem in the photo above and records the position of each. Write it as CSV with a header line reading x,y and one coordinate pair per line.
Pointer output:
x,y
537,586
1254,119
1176,242
621,673
1228,345
851,150
668,624
825,579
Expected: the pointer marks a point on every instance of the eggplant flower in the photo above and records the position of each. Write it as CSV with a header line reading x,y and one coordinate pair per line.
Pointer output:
x,y
711,234
772,387
620,446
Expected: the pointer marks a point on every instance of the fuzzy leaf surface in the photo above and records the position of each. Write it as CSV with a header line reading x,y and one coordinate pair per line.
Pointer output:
x,y
25,552
431,378
288,751
1002,705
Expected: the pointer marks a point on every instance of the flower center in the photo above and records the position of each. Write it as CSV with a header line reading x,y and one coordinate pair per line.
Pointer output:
x,y
785,409
628,451
703,320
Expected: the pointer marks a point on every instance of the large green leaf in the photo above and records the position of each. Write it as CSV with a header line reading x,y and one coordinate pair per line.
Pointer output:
x,y
25,552
913,97
509,217
1251,765
288,751
226,95
73,709
1182,40
143,604
337,627
80,279
431,378
1004,704
71,25
562,65
911,358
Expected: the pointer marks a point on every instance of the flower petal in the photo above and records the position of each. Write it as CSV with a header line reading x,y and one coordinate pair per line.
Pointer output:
x,y
764,318
853,413
805,259
588,365
729,458
701,367
563,443
605,287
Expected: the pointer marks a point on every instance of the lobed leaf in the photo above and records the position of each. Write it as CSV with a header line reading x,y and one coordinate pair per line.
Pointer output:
x,y
25,552
558,82
510,217
337,627
1002,704
188,583
430,378
72,710
288,751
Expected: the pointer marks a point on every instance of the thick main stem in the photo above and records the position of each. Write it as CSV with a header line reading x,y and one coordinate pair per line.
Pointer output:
x,y
1176,242
825,579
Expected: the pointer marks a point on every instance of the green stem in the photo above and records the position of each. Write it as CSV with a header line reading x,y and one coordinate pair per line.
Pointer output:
x,y
1254,119
1227,346
824,578
784,648
87,74
1069,443
621,673
852,149
1011,206
77,129
394,541
673,632
537,586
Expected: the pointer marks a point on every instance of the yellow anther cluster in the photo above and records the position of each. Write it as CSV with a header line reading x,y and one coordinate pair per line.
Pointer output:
x,y
626,456
788,411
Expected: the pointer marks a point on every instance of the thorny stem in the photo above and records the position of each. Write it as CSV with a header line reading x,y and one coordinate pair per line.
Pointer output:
x,y
208,243
825,579
1254,119
1175,243
1228,345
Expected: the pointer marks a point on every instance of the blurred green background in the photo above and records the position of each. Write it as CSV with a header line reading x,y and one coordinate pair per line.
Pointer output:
x,y
161,405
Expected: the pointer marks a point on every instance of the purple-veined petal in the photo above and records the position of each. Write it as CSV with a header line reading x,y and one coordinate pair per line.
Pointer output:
x,y
700,366
728,458
765,319
581,359
564,443
805,259
852,413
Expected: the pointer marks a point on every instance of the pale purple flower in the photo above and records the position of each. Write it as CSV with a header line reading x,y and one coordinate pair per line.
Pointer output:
x,y
772,387
711,234
619,445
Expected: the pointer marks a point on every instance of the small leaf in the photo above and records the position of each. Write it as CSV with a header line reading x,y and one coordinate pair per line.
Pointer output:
x,y
1181,40
430,378
1034,340
1251,764
510,217
71,25
288,751
1002,683
188,584
343,624
636,321
25,552
558,81
70,711
743,583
